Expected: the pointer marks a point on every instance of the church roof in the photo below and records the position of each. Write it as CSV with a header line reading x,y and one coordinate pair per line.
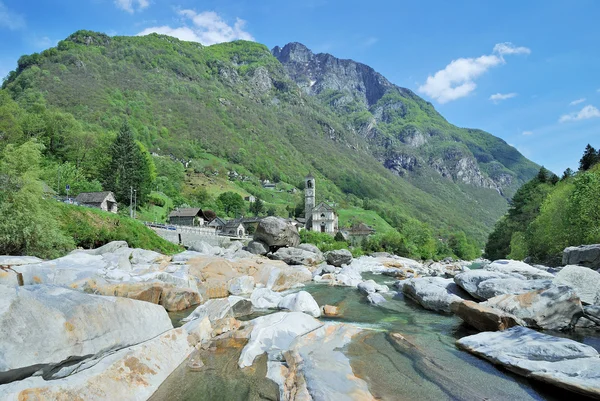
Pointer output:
x,y
310,175
323,207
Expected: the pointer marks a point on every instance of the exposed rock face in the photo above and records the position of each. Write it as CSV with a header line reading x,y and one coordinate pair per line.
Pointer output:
x,y
521,268
482,317
339,257
62,324
553,309
297,256
317,369
274,334
584,281
434,293
133,373
401,163
276,232
315,73
585,255
562,362
300,302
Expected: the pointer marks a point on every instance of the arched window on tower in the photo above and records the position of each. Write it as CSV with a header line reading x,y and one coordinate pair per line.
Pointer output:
x,y
309,184
322,215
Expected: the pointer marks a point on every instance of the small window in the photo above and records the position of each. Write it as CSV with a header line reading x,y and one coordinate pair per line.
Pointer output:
x,y
322,215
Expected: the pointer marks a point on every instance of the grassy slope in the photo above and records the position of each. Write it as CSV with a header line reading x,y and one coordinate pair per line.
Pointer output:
x,y
188,100
91,228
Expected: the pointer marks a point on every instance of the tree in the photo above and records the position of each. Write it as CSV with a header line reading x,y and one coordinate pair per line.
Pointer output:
x,y
28,225
589,158
272,211
130,167
543,174
257,207
231,203
567,174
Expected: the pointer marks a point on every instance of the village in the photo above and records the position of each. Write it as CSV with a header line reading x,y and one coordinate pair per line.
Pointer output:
x,y
195,223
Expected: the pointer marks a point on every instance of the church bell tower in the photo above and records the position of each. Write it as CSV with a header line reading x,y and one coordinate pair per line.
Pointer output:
x,y
309,199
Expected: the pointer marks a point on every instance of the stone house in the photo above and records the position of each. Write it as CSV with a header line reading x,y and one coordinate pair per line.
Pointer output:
x,y
234,228
250,199
189,216
99,200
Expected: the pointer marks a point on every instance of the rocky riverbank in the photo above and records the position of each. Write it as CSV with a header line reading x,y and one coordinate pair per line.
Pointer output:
x,y
94,324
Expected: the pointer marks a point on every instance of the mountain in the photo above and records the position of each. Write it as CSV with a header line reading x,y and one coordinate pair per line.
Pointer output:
x,y
405,133
238,110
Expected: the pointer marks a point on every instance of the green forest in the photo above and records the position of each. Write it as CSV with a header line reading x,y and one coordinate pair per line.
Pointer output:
x,y
189,125
549,213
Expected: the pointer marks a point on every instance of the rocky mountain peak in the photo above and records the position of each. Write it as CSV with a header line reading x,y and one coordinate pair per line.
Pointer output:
x,y
316,73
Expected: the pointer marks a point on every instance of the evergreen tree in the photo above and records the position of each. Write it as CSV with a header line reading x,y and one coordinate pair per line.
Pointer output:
x,y
543,175
257,207
567,174
589,158
130,168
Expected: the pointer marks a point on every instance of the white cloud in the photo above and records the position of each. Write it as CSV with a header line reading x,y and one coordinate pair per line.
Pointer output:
x,y
10,20
587,112
370,41
458,78
502,96
527,133
206,27
132,6
576,102
509,48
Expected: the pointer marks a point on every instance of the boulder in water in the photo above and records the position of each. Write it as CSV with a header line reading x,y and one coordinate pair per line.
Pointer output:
x,y
434,293
264,298
297,256
339,257
559,361
300,302
554,308
584,281
274,334
517,267
482,317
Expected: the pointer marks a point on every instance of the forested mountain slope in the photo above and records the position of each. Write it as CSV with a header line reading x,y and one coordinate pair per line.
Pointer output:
x,y
239,103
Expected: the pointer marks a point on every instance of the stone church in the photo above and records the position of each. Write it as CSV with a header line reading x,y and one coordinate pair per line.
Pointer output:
x,y
322,217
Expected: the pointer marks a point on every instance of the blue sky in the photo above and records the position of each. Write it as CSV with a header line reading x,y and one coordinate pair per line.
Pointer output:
x,y
526,71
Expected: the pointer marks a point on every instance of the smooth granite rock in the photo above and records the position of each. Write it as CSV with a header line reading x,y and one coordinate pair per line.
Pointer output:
x,y
241,285
43,326
300,302
339,257
555,308
584,281
559,361
514,266
297,256
482,317
434,293
216,309
318,369
264,298
274,334
276,232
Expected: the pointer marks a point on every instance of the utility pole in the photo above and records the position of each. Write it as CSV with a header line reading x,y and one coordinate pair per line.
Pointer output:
x,y
131,202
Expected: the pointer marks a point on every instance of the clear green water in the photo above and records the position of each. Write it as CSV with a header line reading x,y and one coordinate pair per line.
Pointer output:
x,y
427,366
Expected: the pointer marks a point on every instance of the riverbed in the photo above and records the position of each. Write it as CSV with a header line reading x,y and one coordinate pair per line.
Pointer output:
x,y
404,353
